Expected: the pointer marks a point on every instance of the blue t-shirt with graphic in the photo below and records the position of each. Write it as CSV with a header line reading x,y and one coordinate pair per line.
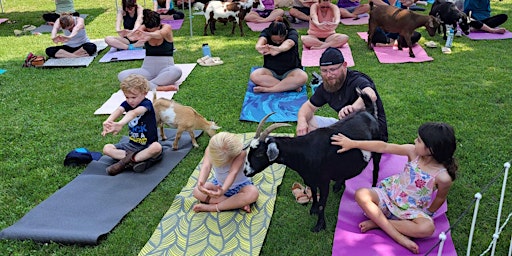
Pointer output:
x,y
142,129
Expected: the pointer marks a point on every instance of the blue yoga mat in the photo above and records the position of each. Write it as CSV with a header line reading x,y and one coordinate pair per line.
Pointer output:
x,y
285,104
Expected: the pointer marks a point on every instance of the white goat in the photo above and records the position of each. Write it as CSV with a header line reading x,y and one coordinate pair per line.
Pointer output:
x,y
228,11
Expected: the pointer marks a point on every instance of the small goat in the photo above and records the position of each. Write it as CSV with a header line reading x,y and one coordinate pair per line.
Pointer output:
x,y
395,20
183,118
227,11
448,14
313,156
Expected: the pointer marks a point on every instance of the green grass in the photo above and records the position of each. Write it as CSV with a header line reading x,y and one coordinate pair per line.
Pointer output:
x,y
48,112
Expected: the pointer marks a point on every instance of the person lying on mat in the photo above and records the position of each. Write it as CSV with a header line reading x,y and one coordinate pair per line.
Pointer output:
x,y
61,6
158,65
143,149
229,189
131,17
325,18
166,10
338,90
482,19
300,10
403,205
282,70
75,41
268,14
352,8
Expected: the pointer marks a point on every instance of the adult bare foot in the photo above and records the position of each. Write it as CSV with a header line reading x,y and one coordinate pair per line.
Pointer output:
x,y
298,89
499,30
367,225
259,89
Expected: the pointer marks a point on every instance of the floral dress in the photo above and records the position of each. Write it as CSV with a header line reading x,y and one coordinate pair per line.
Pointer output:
x,y
406,194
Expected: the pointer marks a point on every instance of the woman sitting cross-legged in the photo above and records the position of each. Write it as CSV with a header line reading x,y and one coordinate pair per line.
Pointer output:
x,y
75,41
325,18
282,70
131,17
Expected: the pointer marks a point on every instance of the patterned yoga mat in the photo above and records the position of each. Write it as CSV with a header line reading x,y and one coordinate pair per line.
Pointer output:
x,y
184,232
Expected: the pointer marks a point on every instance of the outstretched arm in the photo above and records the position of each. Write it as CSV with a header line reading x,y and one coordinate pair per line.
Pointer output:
x,y
372,145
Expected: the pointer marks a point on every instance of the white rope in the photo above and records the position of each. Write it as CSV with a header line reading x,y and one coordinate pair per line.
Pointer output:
x,y
495,236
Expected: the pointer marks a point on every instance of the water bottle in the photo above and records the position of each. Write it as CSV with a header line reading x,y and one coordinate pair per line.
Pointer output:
x,y
206,50
449,40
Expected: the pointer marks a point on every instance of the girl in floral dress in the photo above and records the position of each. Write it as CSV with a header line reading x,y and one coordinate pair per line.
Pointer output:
x,y
403,205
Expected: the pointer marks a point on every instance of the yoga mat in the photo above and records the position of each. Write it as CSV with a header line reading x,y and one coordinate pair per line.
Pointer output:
x,y
118,97
300,25
363,20
311,58
348,239
175,24
2,71
258,26
386,54
285,104
76,62
119,55
2,20
44,28
184,232
92,204
482,35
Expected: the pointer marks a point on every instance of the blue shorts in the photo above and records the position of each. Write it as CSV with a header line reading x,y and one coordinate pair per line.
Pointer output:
x,y
234,190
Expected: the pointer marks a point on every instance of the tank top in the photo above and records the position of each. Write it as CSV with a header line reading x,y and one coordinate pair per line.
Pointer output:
x,y
129,22
164,49
79,39
221,173
315,31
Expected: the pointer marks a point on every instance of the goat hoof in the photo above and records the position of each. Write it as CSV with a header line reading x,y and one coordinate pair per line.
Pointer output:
x,y
318,228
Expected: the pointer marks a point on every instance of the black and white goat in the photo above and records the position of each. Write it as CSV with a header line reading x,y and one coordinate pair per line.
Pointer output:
x,y
449,14
313,156
225,12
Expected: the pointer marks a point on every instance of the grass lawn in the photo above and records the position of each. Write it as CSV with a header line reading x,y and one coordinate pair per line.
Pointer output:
x,y
48,112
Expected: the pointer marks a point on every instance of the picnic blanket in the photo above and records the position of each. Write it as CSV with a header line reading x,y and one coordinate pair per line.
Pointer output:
x,y
76,62
482,35
184,232
92,204
387,55
362,20
118,97
175,24
119,55
348,239
311,58
285,104
44,28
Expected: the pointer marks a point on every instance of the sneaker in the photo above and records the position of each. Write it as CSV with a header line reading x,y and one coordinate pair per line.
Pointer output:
x,y
458,33
144,165
120,166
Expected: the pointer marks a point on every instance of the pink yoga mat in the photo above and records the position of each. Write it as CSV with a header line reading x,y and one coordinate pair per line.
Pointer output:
x,y
363,20
2,20
348,239
481,35
311,58
387,55
175,24
255,26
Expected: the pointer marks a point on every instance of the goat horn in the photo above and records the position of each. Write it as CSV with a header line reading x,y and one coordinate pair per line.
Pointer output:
x,y
269,129
260,125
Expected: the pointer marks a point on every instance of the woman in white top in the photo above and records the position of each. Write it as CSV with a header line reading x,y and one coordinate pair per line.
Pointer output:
x,y
75,41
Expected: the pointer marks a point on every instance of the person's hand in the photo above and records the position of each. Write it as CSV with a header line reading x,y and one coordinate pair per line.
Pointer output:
x,y
123,33
215,193
263,49
342,141
302,128
273,50
139,35
107,128
345,111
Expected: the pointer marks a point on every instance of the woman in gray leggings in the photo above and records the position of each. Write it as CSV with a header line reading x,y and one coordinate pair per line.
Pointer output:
x,y
158,65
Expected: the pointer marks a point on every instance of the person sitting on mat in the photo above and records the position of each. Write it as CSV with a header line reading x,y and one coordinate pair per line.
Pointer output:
x,y
282,69
158,65
166,10
300,10
143,149
352,8
482,19
325,18
266,15
402,205
131,17
76,43
61,6
229,189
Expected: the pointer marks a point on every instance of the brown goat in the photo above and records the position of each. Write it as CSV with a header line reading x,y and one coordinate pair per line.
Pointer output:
x,y
395,20
183,118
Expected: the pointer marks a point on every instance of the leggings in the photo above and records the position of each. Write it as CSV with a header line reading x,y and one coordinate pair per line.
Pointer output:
x,y
159,70
90,48
493,21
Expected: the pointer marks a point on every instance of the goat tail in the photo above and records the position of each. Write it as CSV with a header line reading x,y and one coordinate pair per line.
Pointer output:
x,y
154,94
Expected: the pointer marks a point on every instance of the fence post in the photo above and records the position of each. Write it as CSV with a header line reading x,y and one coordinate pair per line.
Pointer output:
x,y
478,197
498,218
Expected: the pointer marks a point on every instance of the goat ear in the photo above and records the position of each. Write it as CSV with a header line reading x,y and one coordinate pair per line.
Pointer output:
x,y
272,151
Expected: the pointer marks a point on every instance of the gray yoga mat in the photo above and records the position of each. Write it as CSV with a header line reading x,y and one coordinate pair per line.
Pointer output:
x,y
93,203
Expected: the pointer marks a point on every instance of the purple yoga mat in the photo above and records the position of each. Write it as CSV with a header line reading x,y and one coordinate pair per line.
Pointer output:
x,y
348,239
119,55
481,35
175,24
387,54
311,58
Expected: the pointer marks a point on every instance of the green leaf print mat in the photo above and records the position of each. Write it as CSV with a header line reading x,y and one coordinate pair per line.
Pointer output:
x,y
184,232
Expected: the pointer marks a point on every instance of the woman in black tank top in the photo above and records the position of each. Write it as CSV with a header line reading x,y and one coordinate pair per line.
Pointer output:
x,y
131,17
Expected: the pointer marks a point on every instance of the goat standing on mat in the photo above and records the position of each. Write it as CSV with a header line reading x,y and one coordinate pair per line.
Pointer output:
x,y
313,156
396,20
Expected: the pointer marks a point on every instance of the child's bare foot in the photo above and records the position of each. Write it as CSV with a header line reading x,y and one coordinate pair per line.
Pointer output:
x,y
409,244
367,225
204,208
247,208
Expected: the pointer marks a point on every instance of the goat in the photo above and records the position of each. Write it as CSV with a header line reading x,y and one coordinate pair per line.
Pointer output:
x,y
448,14
227,11
396,20
314,158
183,118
